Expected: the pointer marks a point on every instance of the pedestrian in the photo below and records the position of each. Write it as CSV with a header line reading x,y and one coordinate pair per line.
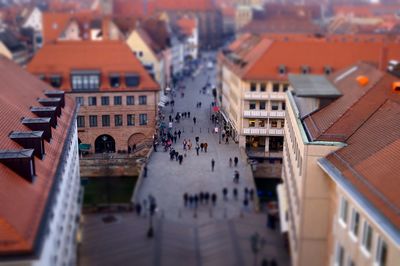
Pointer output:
x,y
245,203
138,208
236,160
197,139
226,140
189,144
190,200
179,133
145,171
176,155
246,191
235,193
230,162
212,164
225,193
155,147
185,198
206,197
171,154
188,114
236,177
201,196
184,144
201,146
197,149
194,120
195,200
175,139
205,147
180,159
214,199
251,194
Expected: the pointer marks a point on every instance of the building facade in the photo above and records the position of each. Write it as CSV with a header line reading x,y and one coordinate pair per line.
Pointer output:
x,y
40,212
117,97
337,171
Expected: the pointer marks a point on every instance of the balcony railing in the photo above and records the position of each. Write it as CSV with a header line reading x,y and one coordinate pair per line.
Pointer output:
x,y
264,114
260,131
250,95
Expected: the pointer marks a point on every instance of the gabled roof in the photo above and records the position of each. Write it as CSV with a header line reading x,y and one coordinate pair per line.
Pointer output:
x,y
53,25
293,53
23,203
105,56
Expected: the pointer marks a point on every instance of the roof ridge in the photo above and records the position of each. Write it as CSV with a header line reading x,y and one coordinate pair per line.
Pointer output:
x,y
350,107
251,65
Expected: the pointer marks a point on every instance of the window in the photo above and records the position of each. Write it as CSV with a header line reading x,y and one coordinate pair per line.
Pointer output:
x,y
105,120
381,252
283,106
117,100
367,237
285,87
263,87
131,120
143,100
327,70
92,101
282,123
140,53
282,69
93,120
55,81
263,105
275,87
355,222
252,123
261,123
115,80
81,121
80,100
130,100
252,105
143,119
132,80
274,123
118,120
305,69
344,205
105,100
85,80
274,106
253,86
339,260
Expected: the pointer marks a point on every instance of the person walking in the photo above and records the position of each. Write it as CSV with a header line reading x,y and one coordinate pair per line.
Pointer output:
x,y
180,159
194,120
214,198
235,193
206,197
185,199
197,149
179,133
230,162
212,164
201,146
138,208
226,140
225,193
188,114
236,177
236,160
189,144
205,146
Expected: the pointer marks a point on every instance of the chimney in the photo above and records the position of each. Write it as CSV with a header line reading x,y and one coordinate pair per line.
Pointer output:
x,y
30,140
56,94
39,124
105,28
21,162
46,111
51,102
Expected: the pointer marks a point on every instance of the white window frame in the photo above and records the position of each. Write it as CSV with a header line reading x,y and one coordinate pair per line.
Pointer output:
x,y
343,211
354,236
364,249
339,260
378,254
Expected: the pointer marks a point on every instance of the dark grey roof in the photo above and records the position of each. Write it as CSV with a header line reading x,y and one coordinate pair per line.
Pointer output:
x,y
26,134
11,42
316,86
14,154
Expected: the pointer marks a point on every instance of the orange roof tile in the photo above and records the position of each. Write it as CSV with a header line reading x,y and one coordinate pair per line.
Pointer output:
x,y
23,203
187,25
53,25
106,56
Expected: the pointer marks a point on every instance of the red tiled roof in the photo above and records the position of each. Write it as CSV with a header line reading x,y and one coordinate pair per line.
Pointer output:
x,y
22,202
53,25
371,126
106,56
313,52
187,25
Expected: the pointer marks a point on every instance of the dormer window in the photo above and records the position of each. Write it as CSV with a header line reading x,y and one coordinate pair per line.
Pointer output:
x,y
132,80
41,76
305,69
55,81
282,69
327,70
86,80
115,80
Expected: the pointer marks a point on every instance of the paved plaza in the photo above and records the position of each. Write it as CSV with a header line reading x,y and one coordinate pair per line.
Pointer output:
x,y
207,235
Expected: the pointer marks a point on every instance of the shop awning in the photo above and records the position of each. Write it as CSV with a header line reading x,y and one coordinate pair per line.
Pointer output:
x,y
161,104
84,147
283,208
164,99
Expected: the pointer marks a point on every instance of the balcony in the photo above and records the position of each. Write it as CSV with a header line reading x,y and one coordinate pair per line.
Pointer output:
x,y
277,96
263,114
260,131
248,95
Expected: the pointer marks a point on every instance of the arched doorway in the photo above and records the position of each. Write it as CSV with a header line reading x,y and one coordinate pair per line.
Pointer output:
x,y
135,139
104,143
